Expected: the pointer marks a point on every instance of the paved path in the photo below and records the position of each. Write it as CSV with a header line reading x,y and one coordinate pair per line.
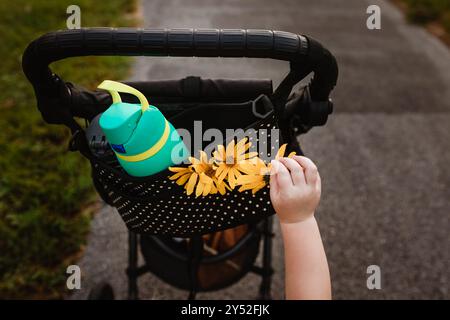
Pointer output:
x,y
384,155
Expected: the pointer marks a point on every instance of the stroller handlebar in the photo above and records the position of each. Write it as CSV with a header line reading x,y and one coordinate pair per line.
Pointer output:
x,y
300,50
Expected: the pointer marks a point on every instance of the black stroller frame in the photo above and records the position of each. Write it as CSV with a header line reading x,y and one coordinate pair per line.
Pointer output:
x,y
60,101
134,271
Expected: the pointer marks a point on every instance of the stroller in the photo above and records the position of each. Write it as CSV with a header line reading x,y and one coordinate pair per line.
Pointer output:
x,y
196,244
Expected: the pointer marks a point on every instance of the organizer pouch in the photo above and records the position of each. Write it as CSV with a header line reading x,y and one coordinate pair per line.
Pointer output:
x,y
158,205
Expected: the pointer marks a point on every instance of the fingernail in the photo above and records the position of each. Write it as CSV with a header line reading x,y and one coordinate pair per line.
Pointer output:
x,y
274,164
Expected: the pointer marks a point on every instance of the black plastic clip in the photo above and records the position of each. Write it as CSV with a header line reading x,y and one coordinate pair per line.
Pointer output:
x,y
263,103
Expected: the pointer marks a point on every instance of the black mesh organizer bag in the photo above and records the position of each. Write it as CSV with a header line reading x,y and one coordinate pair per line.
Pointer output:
x,y
155,204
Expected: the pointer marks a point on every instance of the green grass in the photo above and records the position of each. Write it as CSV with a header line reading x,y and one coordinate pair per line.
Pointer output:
x,y
44,190
424,11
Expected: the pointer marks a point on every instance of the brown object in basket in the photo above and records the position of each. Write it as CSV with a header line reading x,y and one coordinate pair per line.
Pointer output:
x,y
219,242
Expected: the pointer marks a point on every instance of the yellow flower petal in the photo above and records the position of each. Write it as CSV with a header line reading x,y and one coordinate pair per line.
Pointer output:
x,y
183,179
246,167
250,186
199,189
256,186
193,160
178,174
201,167
205,179
221,188
219,170
221,152
231,178
240,146
243,188
191,183
224,173
230,150
177,169
227,186
251,155
246,179
252,166
281,151
259,187
207,189
203,157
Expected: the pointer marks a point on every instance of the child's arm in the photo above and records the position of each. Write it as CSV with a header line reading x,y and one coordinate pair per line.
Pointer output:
x,y
295,193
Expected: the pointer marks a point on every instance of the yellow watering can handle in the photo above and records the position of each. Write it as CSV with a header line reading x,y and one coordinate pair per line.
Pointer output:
x,y
115,87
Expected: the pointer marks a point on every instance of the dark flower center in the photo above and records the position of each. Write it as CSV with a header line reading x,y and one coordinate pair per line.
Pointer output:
x,y
210,172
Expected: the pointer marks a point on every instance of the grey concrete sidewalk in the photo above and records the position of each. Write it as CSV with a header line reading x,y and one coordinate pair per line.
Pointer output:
x,y
383,156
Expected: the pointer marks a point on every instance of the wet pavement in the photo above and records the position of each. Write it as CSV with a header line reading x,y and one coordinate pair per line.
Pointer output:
x,y
383,155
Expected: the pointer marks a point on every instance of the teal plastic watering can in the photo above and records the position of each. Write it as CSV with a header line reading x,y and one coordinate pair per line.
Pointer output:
x,y
141,137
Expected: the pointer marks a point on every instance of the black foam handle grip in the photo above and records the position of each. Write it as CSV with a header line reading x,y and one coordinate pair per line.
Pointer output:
x,y
170,42
252,43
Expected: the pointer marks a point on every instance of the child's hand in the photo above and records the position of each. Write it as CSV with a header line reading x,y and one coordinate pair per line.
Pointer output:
x,y
294,188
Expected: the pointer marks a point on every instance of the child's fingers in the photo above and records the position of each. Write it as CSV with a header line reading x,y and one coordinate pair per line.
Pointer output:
x,y
274,167
311,172
296,170
318,182
283,176
273,183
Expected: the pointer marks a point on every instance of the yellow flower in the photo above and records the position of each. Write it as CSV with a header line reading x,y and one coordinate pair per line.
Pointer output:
x,y
233,163
182,174
228,159
282,150
255,177
199,176
257,173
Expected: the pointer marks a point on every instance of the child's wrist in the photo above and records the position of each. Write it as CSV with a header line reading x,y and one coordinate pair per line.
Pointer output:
x,y
289,230
296,220
295,227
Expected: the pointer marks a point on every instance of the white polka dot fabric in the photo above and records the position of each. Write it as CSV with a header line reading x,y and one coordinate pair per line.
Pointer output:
x,y
156,205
